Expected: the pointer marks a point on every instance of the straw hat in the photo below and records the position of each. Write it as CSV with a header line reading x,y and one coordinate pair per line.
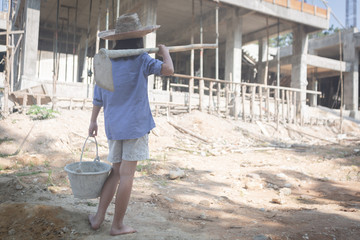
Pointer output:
x,y
127,26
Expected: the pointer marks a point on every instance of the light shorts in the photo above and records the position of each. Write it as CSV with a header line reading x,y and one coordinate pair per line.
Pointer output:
x,y
129,149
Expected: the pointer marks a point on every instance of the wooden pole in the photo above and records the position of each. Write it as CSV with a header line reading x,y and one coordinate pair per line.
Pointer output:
x,y
288,98
341,86
267,52
260,102
267,104
107,23
172,49
55,69
252,103
236,113
74,40
283,104
217,54
192,57
118,9
243,91
98,28
7,78
201,81
226,100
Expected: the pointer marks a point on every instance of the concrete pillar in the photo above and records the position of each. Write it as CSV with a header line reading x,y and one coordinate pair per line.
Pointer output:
x,y
262,57
30,43
351,78
82,71
148,16
299,65
233,52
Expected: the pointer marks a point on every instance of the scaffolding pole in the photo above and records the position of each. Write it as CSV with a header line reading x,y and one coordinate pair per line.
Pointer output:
x,y
7,77
74,40
192,56
55,58
217,54
201,81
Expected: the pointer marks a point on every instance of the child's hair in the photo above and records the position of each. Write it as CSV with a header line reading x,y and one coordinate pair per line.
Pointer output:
x,y
133,43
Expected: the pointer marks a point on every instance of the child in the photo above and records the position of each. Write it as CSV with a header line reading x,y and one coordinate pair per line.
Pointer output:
x,y
127,114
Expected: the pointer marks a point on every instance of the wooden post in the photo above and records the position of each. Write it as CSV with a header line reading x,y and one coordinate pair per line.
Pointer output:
x,y
210,96
74,40
236,113
226,100
218,97
84,103
38,100
25,101
7,77
252,103
260,103
56,60
192,57
291,107
295,108
288,105
267,104
217,54
243,91
283,104
156,110
201,81
277,110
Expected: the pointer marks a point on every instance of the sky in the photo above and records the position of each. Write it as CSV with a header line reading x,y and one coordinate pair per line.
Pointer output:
x,y
338,7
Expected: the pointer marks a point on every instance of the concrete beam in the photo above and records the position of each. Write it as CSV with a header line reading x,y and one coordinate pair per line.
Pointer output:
x,y
185,29
327,63
281,12
262,33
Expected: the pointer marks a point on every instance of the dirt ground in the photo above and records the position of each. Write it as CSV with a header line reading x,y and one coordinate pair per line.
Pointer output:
x,y
241,180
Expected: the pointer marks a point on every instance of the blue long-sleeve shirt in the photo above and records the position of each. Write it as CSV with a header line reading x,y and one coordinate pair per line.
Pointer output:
x,y
126,110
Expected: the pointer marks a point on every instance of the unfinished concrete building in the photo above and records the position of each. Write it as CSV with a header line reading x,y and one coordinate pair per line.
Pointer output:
x,y
52,43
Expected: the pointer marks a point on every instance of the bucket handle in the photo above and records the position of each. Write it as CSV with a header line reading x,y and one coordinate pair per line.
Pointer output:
x,y
97,159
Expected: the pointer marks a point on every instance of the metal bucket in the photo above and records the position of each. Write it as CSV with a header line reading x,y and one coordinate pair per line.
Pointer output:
x,y
87,177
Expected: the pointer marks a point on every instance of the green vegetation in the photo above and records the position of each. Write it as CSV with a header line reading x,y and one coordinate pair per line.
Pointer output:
x,y
287,39
144,167
40,113
6,139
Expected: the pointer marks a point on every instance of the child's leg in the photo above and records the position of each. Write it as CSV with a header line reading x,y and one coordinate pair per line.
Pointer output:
x,y
107,194
127,170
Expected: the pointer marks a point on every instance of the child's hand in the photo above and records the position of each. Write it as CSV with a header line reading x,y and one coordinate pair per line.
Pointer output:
x,y
162,50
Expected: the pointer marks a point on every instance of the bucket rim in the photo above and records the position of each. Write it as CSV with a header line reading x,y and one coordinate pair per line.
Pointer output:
x,y
66,168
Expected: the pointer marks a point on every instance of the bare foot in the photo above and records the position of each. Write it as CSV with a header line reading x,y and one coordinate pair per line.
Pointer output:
x,y
120,231
95,223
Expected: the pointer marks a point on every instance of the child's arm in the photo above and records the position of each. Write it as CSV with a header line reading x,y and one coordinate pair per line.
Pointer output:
x,y
167,67
93,128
